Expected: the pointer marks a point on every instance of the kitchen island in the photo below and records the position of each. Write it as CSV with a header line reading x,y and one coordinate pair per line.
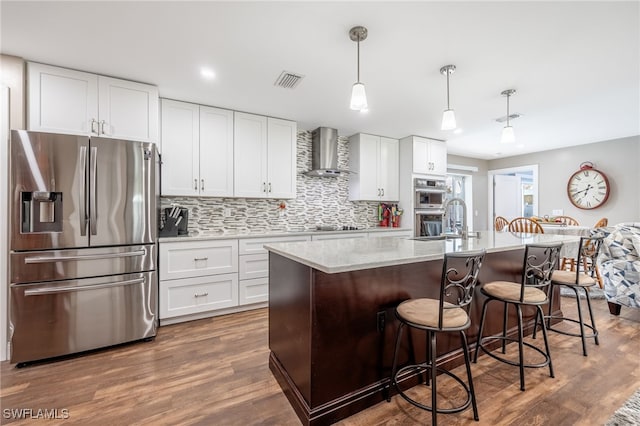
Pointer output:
x,y
331,313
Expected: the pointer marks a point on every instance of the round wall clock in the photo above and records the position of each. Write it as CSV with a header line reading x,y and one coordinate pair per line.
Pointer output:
x,y
588,188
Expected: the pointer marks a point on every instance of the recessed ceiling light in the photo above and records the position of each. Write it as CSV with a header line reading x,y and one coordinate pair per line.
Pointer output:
x,y
207,73
458,131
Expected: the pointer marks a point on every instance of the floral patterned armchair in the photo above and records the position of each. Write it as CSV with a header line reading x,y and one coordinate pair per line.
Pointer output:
x,y
619,263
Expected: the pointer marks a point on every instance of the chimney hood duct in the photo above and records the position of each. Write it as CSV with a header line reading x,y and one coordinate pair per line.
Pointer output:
x,y
324,153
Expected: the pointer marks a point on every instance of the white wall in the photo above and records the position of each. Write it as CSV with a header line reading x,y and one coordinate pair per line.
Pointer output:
x,y
619,159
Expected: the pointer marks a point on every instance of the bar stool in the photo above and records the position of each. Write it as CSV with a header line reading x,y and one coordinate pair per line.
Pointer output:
x,y
449,313
583,277
539,262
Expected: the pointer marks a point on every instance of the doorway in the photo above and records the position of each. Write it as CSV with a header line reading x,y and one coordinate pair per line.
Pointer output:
x,y
513,192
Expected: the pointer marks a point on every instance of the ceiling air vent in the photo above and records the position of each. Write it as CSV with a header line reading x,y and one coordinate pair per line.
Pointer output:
x,y
511,117
288,80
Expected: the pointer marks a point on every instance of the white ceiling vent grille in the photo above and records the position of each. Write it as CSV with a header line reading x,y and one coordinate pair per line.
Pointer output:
x,y
511,117
288,80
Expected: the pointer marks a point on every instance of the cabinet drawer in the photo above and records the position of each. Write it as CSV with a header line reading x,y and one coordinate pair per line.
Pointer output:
x,y
197,258
254,245
254,291
195,295
254,266
339,236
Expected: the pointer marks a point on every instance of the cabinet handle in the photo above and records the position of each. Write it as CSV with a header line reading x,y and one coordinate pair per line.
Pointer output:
x,y
264,187
201,294
195,259
382,192
195,184
269,187
93,130
202,184
102,123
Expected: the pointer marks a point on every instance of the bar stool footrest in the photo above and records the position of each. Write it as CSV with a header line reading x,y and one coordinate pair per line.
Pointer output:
x,y
594,333
508,361
426,367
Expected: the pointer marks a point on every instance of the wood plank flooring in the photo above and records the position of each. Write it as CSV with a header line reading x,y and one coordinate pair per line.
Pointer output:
x,y
215,372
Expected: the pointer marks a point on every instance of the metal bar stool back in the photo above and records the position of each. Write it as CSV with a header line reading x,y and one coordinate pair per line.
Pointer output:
x,y
539,262
448,313
583,277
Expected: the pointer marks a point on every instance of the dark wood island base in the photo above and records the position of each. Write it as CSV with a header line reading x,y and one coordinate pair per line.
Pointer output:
x,y
332,335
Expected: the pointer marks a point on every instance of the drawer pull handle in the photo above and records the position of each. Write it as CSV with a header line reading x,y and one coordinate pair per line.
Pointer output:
x,y
205,294
195,259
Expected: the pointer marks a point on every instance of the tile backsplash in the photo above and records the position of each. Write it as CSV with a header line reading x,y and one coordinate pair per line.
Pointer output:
x,y
319,201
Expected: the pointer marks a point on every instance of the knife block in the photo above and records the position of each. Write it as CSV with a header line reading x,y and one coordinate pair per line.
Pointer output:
x,y
171,227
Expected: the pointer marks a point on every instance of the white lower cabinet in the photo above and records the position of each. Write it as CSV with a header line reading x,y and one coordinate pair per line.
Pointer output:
x,y
196,295
254,291
196,278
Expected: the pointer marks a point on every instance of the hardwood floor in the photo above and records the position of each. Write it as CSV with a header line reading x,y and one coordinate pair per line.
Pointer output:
x,y
215,371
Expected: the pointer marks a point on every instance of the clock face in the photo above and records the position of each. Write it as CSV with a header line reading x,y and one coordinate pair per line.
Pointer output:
x,y
588,188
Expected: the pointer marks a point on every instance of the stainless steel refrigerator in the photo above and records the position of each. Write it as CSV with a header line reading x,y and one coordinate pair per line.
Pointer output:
x,y
82,219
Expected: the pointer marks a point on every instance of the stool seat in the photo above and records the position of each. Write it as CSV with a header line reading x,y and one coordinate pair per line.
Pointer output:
x,y
569,278
425,312
510,292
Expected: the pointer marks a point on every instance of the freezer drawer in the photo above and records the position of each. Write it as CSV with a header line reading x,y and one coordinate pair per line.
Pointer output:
x,y
51,265
64,317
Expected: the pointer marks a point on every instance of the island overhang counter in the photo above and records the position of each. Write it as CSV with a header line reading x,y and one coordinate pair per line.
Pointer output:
x,y
331,313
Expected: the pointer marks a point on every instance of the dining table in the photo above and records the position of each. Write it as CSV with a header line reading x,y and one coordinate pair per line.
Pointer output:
x,y
561,229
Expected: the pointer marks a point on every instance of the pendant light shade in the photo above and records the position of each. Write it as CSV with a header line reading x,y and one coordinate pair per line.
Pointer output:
x,y
449,116
508,136
358,97
358,94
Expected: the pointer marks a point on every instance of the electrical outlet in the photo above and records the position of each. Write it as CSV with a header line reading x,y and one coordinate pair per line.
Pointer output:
x,y
382,319
226,213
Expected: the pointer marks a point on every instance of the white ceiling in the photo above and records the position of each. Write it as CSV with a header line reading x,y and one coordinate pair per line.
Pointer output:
x,y
575,65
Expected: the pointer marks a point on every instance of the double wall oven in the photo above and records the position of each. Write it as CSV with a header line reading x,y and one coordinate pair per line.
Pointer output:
x,y
428,204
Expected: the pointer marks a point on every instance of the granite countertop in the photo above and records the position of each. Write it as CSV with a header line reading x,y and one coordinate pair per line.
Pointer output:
x,y
226,235
333,256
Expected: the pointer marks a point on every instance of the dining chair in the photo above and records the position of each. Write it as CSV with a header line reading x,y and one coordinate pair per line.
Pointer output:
x,y
446,314
601,223
500,223
524,224
566,220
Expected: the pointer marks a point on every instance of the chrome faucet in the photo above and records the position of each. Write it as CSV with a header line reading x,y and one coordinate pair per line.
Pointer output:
x,y
465,230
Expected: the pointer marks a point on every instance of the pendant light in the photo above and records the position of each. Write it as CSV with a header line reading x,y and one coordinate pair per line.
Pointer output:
x,y
507,133
448,117
358,95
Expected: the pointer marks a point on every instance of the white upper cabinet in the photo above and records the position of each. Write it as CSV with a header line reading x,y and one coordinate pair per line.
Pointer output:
x,y
61,100
216,152
264,157
197,150
180,142
429,156
375,163
281,154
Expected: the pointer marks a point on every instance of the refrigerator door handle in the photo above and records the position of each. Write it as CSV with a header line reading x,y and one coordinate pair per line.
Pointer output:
x,y
83,191
54,290
93,183
48,259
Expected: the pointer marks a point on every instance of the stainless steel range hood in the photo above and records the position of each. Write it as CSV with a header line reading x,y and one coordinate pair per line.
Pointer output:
x,y
324,153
